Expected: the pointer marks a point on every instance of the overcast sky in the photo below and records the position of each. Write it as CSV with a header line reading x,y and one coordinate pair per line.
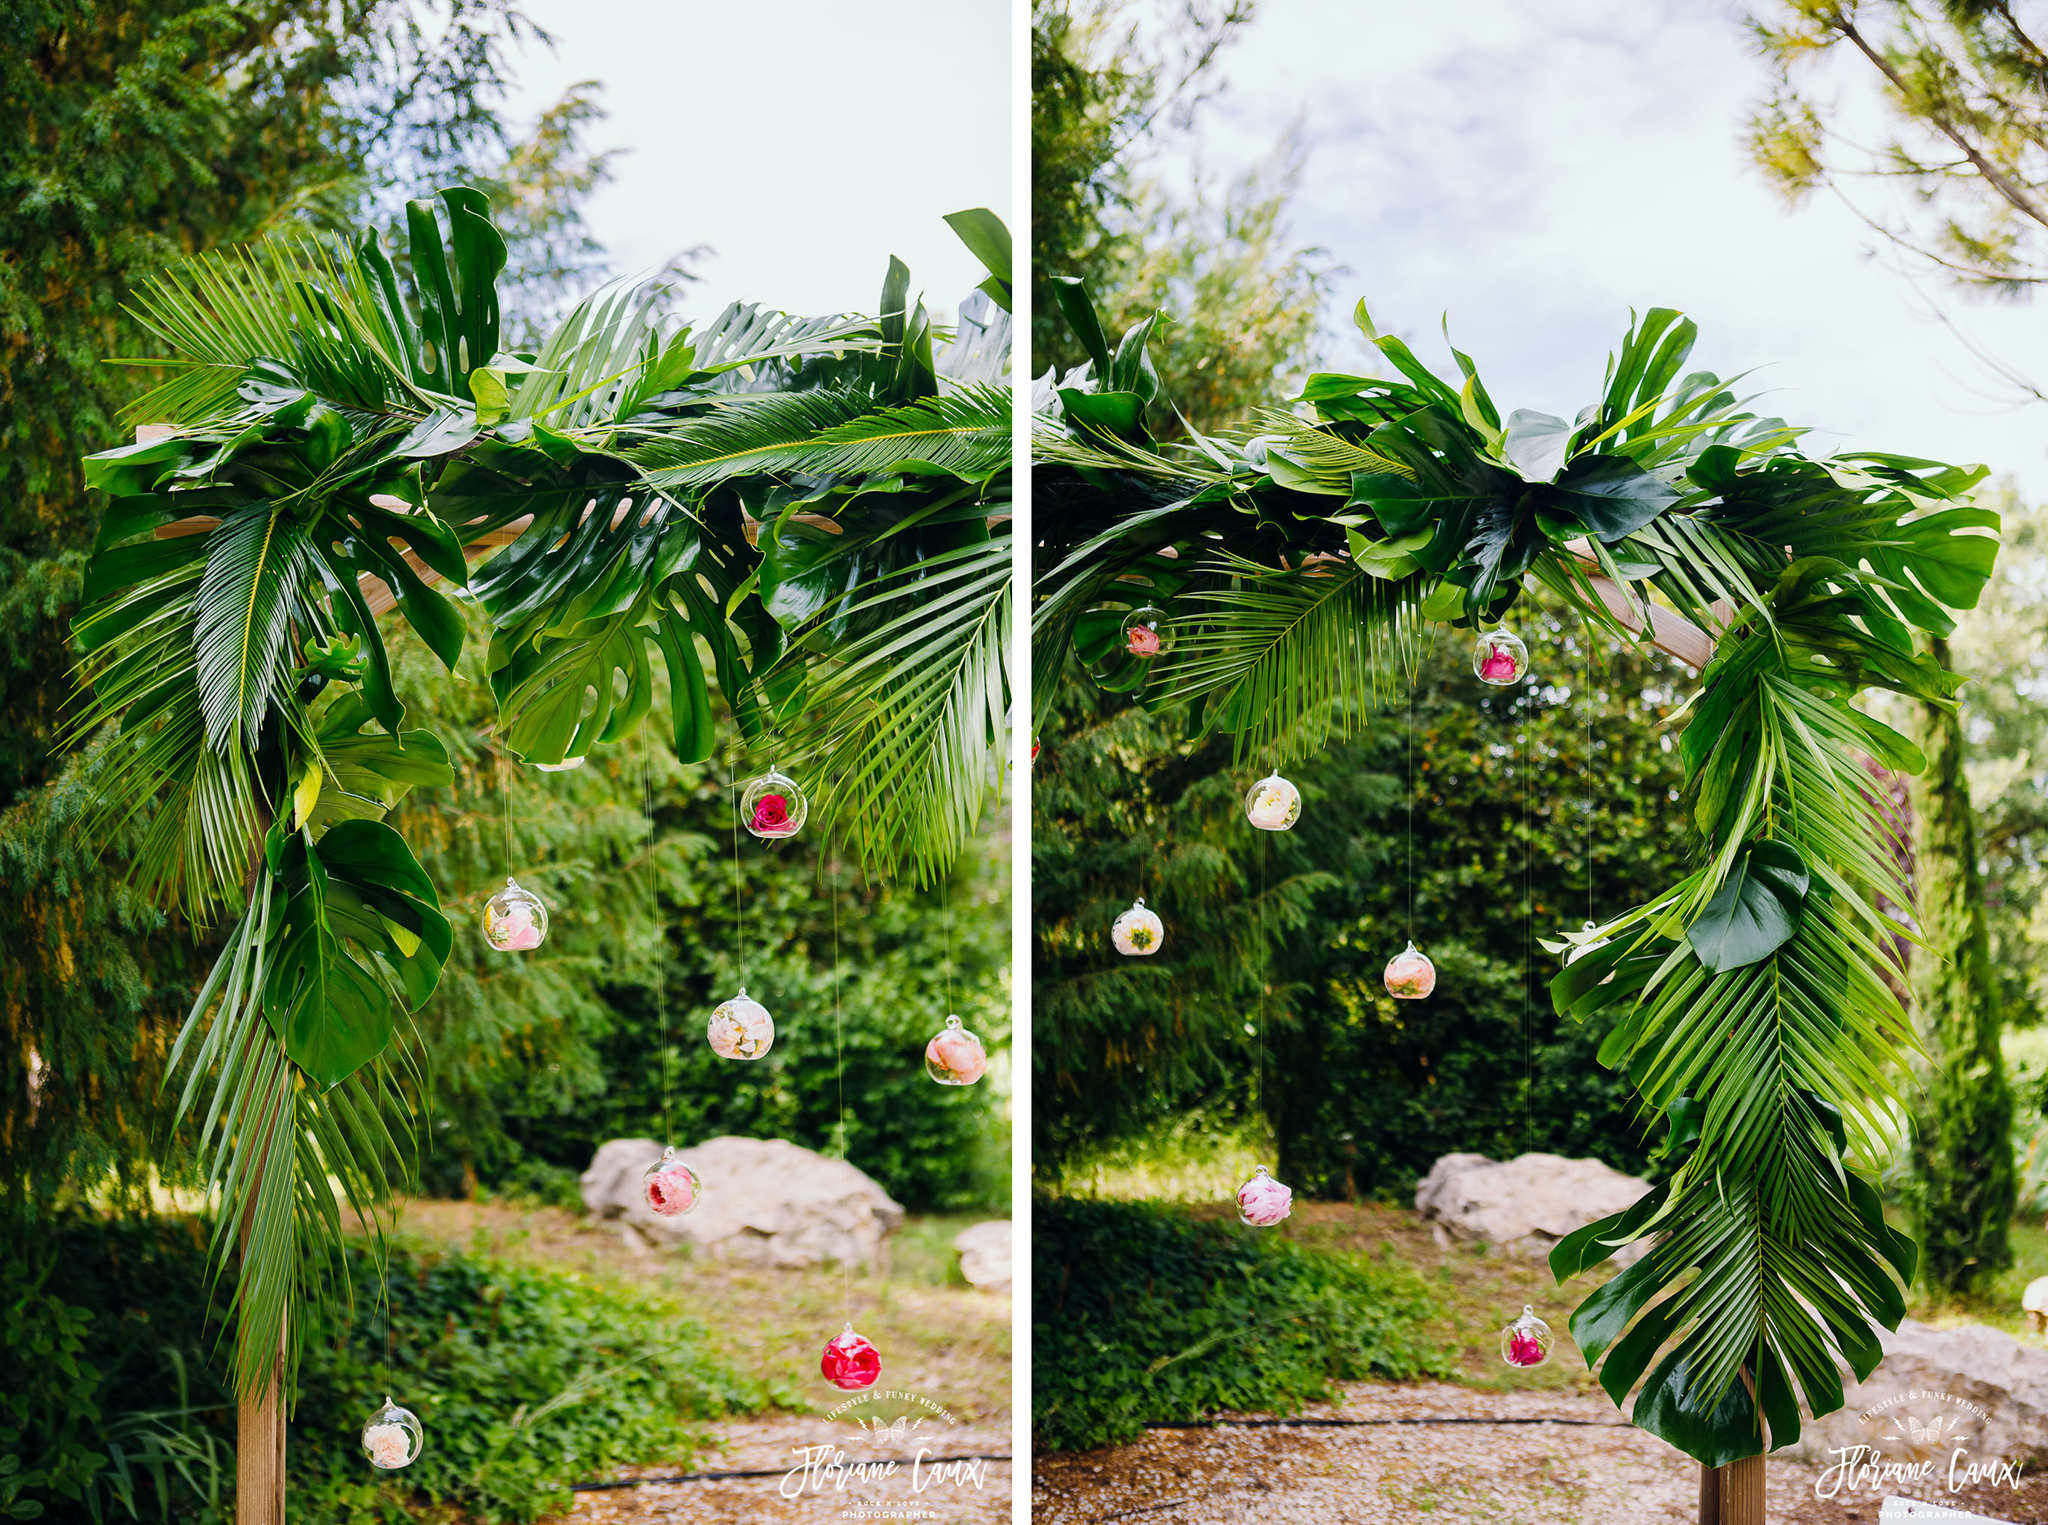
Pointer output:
x,y
1536,169
805,141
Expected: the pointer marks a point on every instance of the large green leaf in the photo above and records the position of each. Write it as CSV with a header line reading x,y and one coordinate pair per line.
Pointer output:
x,y
359,936
1611,496
368,772
1756,910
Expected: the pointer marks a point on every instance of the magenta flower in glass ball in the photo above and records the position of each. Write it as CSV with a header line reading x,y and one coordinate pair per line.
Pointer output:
x,y
670,1186
955,1057
1410,975
1137,931
1500,658
1263,1201
515,921
850,1362
1273,804
1526,1342
391,1437
740,1028
773,807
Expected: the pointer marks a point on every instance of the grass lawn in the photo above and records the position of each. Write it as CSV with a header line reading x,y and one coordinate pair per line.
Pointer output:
x,y
937,1335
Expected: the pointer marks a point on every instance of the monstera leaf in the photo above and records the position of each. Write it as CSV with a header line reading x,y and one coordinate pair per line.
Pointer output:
x,y
1756,910
367,772
359,934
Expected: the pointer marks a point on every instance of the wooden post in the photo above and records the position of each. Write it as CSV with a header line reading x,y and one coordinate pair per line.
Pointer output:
x,y
1734,1494
259,1451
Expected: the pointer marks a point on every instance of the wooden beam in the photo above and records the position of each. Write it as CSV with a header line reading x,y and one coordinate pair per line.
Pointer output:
x,y
259,1451
1670,632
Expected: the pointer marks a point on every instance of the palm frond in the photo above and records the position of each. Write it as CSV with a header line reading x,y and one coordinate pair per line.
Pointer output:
x,y
1288,662
745,435
908,724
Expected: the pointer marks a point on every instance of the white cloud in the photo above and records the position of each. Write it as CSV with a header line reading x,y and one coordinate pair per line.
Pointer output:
x,y
1535,171
806,140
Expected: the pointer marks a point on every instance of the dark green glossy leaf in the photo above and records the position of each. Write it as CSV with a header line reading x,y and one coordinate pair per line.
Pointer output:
x,y
1756,910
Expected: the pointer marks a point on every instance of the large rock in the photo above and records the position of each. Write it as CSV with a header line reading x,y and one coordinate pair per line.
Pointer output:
x,y
765,1201
985,1254
1937,1390
1526,1204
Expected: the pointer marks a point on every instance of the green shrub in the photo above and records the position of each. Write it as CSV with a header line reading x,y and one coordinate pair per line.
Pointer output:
x,y
525,1381
1143,1313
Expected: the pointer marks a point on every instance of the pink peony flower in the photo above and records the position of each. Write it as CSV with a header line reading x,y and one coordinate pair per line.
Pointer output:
x,y
958,1054
1263,1201
771,815
389,1445
516,932
1524,1349
1498,666
1141,641
671,1192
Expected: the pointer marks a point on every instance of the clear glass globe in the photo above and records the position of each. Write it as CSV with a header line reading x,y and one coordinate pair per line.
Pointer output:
x,y
392,1437
670,1187
1410,975
1144,633
1137,931
955,1057
850,1362
740,1028
1500,658
1527,1341
1273,804
773,807
1263,1201
515,920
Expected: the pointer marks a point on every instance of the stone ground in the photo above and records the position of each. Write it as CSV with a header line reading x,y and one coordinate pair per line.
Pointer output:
x,y
761,1444
1592,1472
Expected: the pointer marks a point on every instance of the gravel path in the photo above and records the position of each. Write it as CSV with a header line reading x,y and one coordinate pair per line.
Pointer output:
x,y
780,1443
1596,1471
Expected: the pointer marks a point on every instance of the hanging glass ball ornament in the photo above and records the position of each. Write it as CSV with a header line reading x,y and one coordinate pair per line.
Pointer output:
x,y
1263,1201
740,1028
1525,1342
1410,975
1273,804
515,920
392,1437
1580,949
1138,931
850,1362
670,1186
1500,658
773,806
1144,633
955,1057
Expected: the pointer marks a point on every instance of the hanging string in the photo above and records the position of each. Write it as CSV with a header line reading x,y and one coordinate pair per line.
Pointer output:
x,y
946,931
505,793
1259,1028
1587,685
1414,678
1528,935
660,936
839,1064
739,925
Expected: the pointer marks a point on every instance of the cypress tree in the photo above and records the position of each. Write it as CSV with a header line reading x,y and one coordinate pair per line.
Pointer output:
x,y
1964,1184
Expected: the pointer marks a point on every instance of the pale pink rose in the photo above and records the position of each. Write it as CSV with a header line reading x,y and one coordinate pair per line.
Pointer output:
x,y
1263,1201
516,930
1410,976
389,1445
1271,809
1141,641
670,1192
958,1054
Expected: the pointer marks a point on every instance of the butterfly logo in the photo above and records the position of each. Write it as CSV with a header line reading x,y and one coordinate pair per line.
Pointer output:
x,y
1925,1434
889,1434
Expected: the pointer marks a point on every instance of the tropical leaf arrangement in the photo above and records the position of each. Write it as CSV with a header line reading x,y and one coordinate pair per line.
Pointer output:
x,y
1754,1001
808,515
